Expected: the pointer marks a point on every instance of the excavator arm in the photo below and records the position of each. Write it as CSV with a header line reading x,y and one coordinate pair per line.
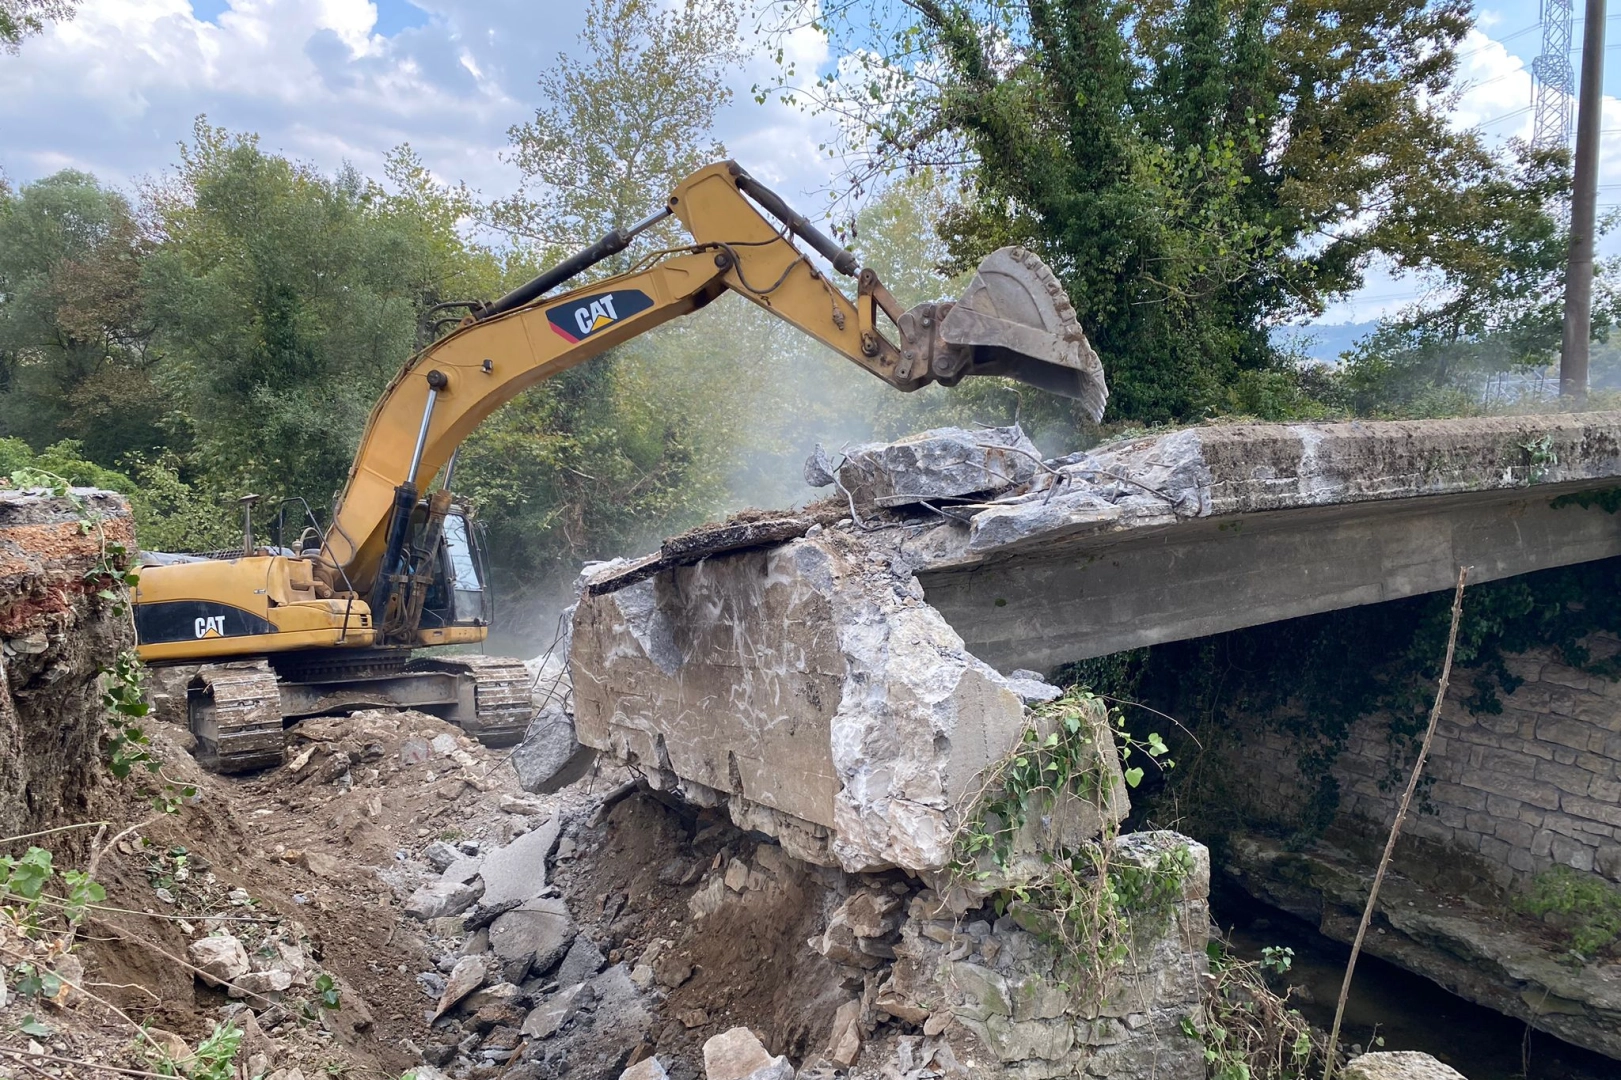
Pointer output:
x,y
1014,320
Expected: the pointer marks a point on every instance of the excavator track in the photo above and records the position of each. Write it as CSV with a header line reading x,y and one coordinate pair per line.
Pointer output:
x,y
501,704
235,712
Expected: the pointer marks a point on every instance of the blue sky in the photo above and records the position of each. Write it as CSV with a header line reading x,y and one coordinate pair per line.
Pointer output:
x,y
330,81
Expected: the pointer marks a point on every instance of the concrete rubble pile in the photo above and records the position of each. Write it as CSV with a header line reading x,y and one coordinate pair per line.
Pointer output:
x,y
856,975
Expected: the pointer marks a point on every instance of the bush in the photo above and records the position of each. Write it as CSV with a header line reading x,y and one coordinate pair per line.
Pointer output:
x,y
1585,908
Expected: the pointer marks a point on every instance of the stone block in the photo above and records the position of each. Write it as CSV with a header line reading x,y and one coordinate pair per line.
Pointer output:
x,y
1506,762
1574,734
1565,777
1592,809
1514,787
1571,853
1500,806
1516,833
1607,861
1493,849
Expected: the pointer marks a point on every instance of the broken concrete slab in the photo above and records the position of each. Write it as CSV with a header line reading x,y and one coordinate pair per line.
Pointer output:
x,y
947,464
1209,529
532,937
518,871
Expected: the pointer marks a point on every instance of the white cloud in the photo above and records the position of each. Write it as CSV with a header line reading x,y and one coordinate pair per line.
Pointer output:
x,y
114,90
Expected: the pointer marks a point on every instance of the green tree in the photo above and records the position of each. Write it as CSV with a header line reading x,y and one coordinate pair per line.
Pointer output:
x,y
287,299
24,18
75,360
1194,170
1498,310
625,116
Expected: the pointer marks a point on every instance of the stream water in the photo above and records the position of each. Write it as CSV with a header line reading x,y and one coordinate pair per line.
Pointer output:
x,y
1407,1010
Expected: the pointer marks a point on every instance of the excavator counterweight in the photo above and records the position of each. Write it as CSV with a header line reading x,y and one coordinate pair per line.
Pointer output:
x,y
277,634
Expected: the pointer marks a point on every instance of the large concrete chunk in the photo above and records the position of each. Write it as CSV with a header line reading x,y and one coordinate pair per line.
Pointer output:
x,y
946,463
809,686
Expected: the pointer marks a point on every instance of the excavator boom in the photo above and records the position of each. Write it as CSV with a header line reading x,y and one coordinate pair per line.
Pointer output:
x,y
1014,320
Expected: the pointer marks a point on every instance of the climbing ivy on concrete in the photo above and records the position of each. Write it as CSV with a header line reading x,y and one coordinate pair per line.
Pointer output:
x,y
1084,901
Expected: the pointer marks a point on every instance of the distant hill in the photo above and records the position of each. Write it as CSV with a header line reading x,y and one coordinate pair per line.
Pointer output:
x,y
1323,341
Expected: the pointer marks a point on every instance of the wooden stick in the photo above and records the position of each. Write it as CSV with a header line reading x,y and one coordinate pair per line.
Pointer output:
x,y
1395,826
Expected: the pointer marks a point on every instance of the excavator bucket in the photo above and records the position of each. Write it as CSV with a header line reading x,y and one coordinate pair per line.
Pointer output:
x,y
1015,320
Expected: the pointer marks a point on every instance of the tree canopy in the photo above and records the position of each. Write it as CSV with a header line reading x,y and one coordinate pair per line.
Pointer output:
x,y
1195,170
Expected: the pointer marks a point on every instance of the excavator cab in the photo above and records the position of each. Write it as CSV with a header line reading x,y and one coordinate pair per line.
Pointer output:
x,y
459,594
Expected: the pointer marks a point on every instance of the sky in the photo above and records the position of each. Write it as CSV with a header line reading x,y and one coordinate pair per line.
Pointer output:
x,y
115,90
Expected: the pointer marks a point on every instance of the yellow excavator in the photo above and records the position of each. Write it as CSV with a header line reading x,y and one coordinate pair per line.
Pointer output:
x,y
274,634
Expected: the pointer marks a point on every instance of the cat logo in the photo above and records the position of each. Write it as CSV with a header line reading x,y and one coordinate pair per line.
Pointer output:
x,y
208,626
579,319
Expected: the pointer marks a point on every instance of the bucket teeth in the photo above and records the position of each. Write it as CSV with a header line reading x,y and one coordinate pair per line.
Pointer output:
x,y
1019,323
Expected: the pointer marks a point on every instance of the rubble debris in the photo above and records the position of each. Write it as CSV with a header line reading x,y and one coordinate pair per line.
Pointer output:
x,y
220,959
945,464
737,1054
440,899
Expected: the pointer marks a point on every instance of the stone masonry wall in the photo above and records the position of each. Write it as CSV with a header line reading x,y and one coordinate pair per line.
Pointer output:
x,y
1511,793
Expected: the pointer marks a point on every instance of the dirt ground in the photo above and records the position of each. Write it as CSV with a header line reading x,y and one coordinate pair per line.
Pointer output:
x,y
309,866
323,849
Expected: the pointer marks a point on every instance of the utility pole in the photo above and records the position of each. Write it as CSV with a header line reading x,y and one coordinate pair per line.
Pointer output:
x,y
1578,329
